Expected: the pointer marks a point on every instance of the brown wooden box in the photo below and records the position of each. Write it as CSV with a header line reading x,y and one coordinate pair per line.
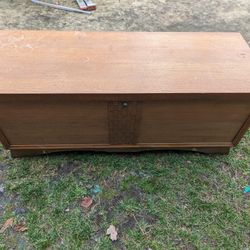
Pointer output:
x,y
63,91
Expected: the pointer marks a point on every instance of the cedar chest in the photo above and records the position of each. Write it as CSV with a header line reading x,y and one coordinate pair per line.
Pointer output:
x,y
111,91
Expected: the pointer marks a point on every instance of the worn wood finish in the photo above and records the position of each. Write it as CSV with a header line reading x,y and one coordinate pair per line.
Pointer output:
x,y
122,92
114,62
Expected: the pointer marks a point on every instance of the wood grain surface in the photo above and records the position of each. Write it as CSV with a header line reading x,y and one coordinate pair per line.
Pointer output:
x,y
54,124
66,91
43,122
196,121
120,63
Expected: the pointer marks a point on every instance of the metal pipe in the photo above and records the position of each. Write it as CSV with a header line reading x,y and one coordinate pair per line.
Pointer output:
x,y
61,7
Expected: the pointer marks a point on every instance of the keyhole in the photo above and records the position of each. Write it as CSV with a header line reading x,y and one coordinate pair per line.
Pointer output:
x,y
125,104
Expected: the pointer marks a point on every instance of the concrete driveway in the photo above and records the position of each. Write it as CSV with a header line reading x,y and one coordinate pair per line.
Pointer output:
x,y
132,15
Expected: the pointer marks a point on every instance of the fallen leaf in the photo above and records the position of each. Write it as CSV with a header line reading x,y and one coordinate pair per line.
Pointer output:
x,y
8,223
86,202
112,232
20,228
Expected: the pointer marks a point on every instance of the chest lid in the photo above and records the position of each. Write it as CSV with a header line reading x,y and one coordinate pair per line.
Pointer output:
x,y
53,62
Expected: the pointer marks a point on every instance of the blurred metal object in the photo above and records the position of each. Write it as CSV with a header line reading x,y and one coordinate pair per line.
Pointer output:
x,y
86,5
61,7
90,4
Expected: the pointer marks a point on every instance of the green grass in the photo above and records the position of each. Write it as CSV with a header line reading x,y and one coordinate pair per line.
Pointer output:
x,y
161,200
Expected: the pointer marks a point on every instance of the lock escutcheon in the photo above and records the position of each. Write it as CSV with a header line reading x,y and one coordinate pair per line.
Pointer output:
x,y
125,104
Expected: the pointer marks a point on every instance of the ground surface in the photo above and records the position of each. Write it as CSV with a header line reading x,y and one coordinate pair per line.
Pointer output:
x,y
132,15
156,200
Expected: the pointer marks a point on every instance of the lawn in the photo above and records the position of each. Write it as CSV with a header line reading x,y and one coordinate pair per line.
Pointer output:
x,y
161,200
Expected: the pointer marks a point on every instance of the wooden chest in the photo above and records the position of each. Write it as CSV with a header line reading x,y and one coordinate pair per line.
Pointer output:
x,y
64,91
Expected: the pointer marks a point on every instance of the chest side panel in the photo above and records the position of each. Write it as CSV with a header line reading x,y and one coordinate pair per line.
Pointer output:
x,y
75,123
62,122
191,121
